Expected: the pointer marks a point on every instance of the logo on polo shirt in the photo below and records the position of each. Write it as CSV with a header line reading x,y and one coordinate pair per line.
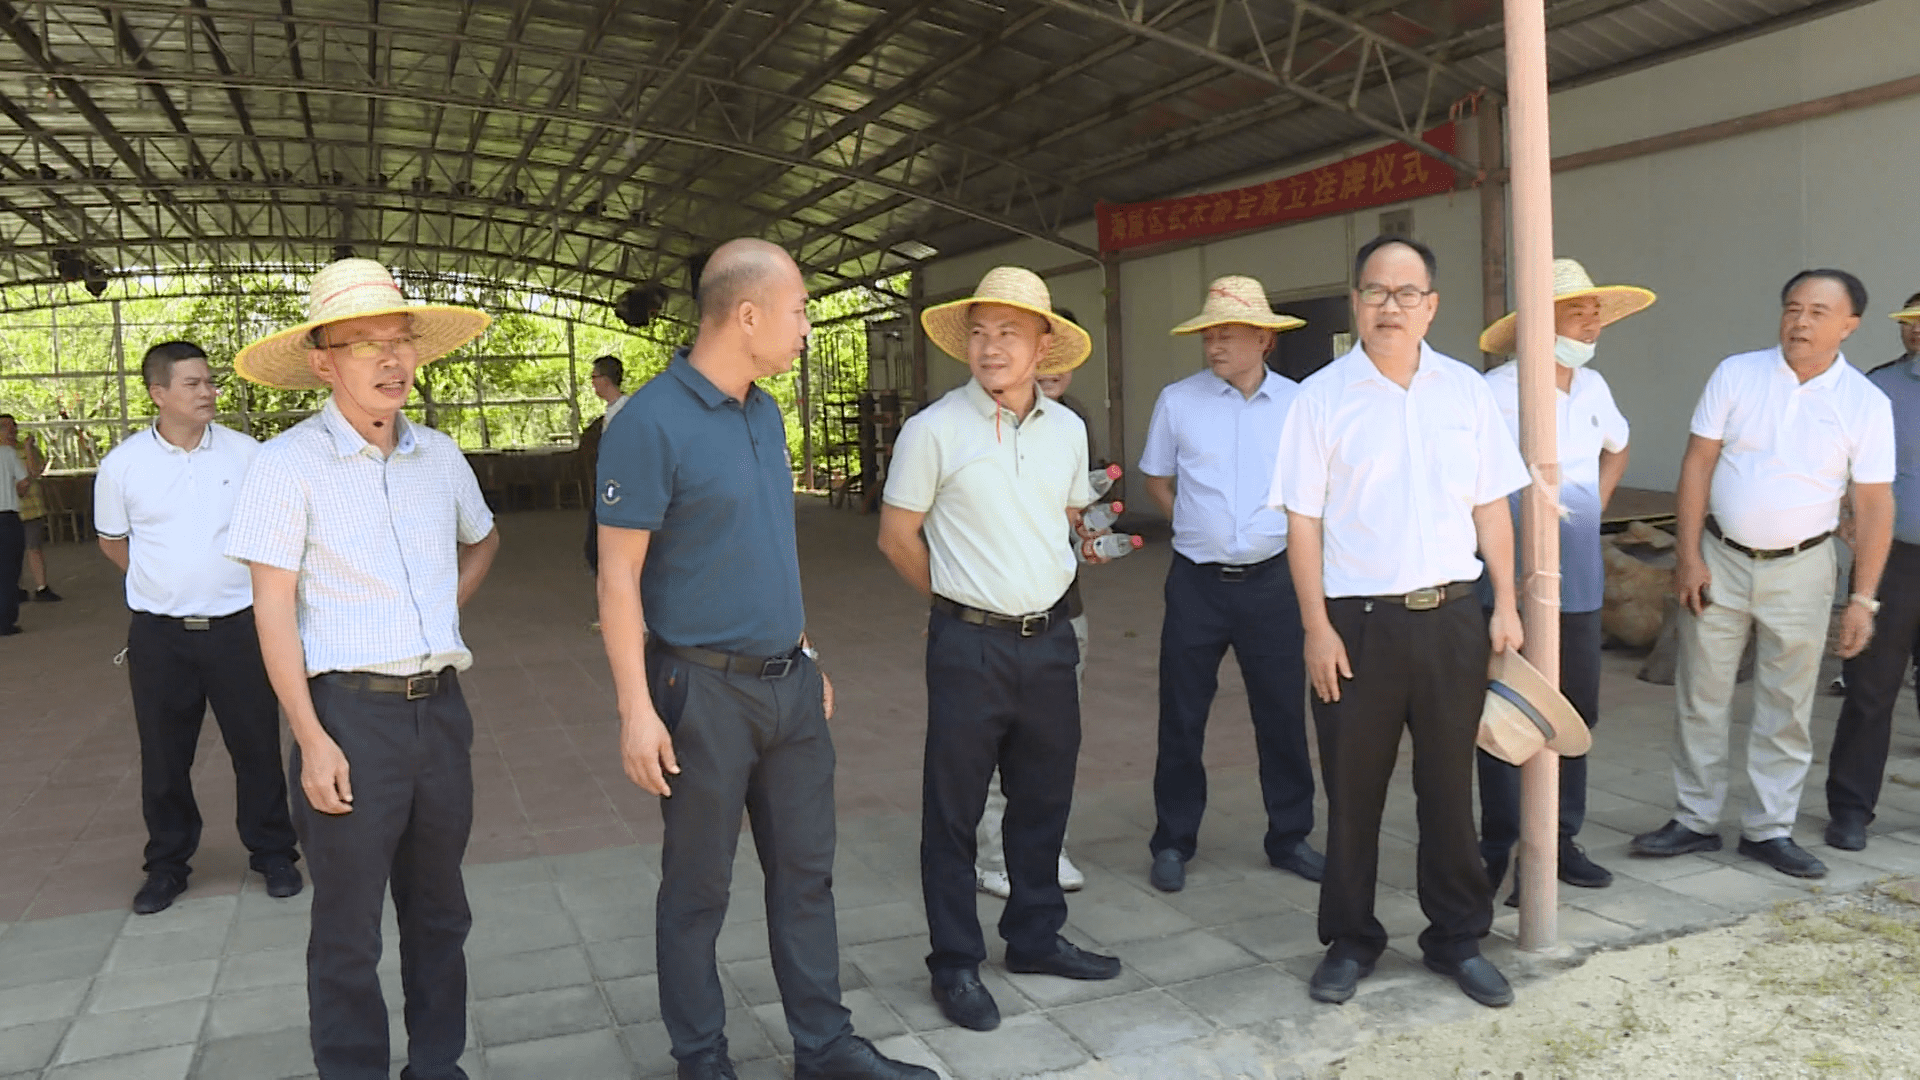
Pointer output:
x,y
610,494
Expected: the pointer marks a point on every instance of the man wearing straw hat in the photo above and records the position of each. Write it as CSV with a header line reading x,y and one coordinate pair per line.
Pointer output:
x,y
993,471
1394,468
1593,456
1777,438
1857,764
1208,464
365,534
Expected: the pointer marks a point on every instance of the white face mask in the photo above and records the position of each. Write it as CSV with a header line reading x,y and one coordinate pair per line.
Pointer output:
x,y
1570,352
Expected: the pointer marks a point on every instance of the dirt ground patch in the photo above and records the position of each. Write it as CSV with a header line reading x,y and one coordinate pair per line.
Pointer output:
x,y
1820,988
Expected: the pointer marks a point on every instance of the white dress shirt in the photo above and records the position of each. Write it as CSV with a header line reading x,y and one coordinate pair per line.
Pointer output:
x,y
1788,448
11,473
374,540
172,507
1394,474
995,490
1220,448
613,410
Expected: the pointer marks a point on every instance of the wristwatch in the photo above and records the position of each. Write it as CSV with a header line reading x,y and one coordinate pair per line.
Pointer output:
x,y
1865,601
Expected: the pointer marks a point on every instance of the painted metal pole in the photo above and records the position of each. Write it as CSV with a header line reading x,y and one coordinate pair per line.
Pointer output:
x,y
1116,376
1531,195
1493,218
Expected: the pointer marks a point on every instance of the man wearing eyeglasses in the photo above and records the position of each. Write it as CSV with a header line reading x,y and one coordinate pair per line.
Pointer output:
x,y
365,534
162,502
1394,469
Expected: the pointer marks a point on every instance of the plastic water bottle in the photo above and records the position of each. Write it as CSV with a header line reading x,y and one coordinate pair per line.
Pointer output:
x,y
1102,480
1102,516
1114,545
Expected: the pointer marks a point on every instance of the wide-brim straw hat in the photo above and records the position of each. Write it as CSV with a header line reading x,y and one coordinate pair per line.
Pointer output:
x,y
1570,282
1238,299
354,289
1524,714
1910,313
1018,287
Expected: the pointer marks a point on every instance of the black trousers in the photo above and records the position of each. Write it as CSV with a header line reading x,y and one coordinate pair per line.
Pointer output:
x,y
1858,762
996,699
1500,782
1424,672
13,552
590,548
1254,614
759,747
174,674
410,766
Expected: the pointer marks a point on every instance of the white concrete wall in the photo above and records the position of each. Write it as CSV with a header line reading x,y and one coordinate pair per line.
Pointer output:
x,y
1714,229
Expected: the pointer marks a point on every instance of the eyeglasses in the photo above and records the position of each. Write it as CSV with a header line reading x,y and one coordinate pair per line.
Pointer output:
x,y
1406,295
375,349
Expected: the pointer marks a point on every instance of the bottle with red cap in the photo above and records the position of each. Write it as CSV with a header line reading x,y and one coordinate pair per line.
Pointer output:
x,y
1102,516
1112,546
1102,480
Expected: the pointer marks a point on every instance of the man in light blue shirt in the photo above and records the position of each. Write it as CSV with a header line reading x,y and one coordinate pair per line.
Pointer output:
x,y
1208,464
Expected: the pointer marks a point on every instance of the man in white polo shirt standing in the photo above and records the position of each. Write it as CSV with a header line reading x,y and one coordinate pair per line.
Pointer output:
x,y
994,471
1208,464
161,503
1777,437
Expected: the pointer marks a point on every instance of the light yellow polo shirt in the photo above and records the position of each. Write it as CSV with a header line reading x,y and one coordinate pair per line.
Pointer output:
x,y
995,490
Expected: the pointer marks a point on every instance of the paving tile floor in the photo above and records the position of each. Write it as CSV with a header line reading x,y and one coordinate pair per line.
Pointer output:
x,y
562,954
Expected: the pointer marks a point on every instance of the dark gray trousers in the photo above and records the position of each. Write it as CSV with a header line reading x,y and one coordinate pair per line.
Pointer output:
x,y
411,770
759,747
13,551
1861,740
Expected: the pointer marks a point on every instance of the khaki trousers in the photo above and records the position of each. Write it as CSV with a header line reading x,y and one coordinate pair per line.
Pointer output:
x,y
1786,603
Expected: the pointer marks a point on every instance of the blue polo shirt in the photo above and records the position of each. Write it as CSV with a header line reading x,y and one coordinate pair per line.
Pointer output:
x,y
709,476
1900,381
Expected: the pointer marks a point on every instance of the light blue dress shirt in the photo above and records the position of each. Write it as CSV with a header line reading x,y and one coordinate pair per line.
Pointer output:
x,y
1220,447
1900,381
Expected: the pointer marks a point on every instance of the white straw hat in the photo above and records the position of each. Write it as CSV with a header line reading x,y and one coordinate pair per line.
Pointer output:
x,y
354,289
1014,286
1570,282
1910,313
1524,713
1238,299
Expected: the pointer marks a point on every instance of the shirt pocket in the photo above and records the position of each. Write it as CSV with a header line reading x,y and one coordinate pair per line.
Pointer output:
x,y
1456,457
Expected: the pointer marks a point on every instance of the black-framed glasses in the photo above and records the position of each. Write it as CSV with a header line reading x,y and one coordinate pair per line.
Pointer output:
x,y
1406,295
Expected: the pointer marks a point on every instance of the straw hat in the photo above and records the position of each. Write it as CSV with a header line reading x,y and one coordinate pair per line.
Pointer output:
x,y
1014,286
1570,282
1524,713
1237,299
1910,313
353,289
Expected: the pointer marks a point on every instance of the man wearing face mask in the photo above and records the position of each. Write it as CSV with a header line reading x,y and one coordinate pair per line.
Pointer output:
x,y
1593,456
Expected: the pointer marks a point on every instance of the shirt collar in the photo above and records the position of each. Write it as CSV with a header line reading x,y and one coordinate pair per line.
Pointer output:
x,y
986,404
206,439
690,377
1266,384
1826,380
1361,368
348,442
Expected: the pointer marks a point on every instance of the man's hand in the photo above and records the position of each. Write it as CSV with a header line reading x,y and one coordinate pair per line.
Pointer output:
x,y
1856,629
1690,581
1326,657
826,694
647,752
323,776
1092,557
20,486
1503,629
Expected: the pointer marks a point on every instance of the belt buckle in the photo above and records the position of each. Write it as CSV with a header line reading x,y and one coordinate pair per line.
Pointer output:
x,y
1424,599
196,623
422,686
1034,625
1233,573
776,667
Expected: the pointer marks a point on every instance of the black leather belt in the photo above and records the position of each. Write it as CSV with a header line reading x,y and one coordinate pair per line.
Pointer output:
x,y
1025,625
1426,599
194,622
426,684
1763,554
1239,571
760,667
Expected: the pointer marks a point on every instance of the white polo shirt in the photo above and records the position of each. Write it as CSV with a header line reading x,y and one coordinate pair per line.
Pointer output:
x,y
1394,474
1220,447
173,507
995,490
11,473
1788,448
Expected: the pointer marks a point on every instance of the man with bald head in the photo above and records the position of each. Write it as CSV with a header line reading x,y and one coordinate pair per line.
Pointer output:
x,y
722,706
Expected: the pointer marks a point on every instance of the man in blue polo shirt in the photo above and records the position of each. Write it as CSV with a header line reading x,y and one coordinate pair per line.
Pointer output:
x,y
723,709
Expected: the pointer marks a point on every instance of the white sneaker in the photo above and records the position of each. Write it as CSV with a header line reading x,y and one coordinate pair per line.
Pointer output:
x,y
1071,879
993,882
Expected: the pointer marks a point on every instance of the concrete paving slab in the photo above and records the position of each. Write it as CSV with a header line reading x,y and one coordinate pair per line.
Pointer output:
x,y
174,1024
584,1055
1183,957
42,1001
167,1063
256,1011
1131,1023
1022,1046
118,990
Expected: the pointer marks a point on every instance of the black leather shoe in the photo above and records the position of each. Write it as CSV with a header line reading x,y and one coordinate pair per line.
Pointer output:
x,y
44,595
1513,898
854,1058
1067,960
159,892
1169,873
1578,870
282,879
1302,860
964,999
709,1065
1334,980
1784,855
1673,838
1848,830
1478,979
